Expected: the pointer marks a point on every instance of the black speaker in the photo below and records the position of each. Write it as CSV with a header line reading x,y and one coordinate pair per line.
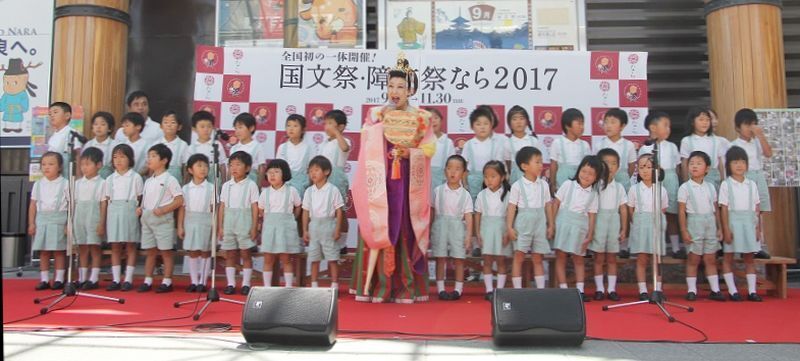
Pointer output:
x,y
522,317
290,316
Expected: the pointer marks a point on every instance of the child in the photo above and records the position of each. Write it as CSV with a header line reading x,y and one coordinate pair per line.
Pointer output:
x,y
490,218
60,114
123,193
658,124
483,147
337,149
568,151
238,217
640,206
576,209
611,227
520,123
296,152
244,126
47,220
614,122
280,205
754,142
195,221
451,231
700,225
139,102
162,197
203,126
702,138
738,197
529,220
102,124
322,218
444,149
132,124
171,126
90,219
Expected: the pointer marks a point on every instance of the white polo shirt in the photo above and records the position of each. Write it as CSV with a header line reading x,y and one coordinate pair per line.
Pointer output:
x,y
537,193
153,187
583,200
322,202
704,196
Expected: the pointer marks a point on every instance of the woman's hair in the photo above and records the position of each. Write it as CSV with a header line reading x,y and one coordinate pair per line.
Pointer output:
x,y
300,120
57,156
125,150
286,172
733,154
649,158
500,168
521,111
695,112
600,169
109,119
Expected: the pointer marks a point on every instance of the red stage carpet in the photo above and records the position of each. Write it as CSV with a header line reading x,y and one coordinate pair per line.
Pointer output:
x,y
770,321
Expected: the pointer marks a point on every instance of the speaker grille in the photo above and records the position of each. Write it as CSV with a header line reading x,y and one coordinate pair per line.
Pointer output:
x,y
554,309
268,308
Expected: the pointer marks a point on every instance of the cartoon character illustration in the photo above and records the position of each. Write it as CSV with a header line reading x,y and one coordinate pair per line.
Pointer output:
x,y
262,116
632,93
317,116
408,30
235,87
546,119
16,89
210,59
604,65
334,20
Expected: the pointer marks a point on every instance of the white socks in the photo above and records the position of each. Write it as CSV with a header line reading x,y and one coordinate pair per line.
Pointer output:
x,y
642,287
193,270
598,283
730,283
751,283
44,276
206,273
675,242
501,281
713,282
268,279
562,285
691,284
167,281
289,277
612,283
230,276
314,284
658,286
439,286
460,287
539,280
129,273
83,274
487,282
60,275
95,276
115,272
579,286
148,280
335,286
247,274
516,282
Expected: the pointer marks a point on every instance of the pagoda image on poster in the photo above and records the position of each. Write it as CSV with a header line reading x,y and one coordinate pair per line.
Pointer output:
x,y
409,25
482,25
331,23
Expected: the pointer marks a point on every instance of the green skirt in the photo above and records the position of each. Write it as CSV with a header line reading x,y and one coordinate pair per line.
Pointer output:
x,y
51,231
279,234
197,228
122,223
492,230
743,227
641,237
571,230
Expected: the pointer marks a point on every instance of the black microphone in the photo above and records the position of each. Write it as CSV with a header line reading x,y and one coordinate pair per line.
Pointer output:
x,y
222,135
650,141
80,137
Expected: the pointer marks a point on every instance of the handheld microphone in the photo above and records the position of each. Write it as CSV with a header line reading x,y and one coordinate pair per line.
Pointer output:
x,y
80,137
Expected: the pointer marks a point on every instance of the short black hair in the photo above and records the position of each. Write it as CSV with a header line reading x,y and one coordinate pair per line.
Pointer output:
x,y
136,94
733,154
108,117
246,119
745,116
93,154
702,155
57,156
521,111
125,150
608,152
695,112
339,116
457,158
482,111
133,117
570,115
617,113
163,152
300,120
171,112
286,172
652,117
64,106
243,157
525,154
321,162
197,157
202,115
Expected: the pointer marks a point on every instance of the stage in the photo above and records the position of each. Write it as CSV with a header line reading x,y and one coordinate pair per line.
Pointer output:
x,y
773,321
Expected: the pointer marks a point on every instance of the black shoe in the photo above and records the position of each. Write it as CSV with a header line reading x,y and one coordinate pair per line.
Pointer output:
x,y
192,288
489,296
455,296
476,252
126,286
162,288
736,297
613,296
229,290
89,285
444,296
762,255
754,297
599,296
624,254
681,254
114,286
585,298
245,290
201,288
58,285
644,296
691,296
716,296
145,288
42,286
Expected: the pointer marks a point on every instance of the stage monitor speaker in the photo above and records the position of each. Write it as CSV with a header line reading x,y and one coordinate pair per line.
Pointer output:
x,y
522,317
290,316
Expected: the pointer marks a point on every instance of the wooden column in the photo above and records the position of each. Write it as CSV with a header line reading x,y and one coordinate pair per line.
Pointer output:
x,y
90,49
747,70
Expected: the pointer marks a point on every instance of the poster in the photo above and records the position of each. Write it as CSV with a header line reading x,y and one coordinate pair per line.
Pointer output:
x,y
250,22
554,24
782,129
482,25
331,24
408,24
26,41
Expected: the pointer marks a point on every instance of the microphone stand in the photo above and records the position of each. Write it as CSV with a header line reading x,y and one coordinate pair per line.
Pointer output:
x,y
70,289
657,297
212,295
